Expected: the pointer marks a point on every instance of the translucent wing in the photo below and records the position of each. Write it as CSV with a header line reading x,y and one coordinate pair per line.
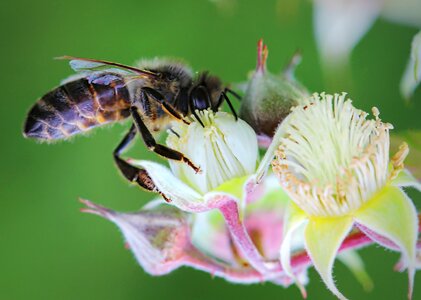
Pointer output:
x,y
87,65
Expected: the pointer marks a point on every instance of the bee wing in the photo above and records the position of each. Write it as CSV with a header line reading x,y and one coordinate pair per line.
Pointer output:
x,y
87,65
97,77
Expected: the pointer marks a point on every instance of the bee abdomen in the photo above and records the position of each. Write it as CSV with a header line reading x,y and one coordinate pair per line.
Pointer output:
x,y
77,107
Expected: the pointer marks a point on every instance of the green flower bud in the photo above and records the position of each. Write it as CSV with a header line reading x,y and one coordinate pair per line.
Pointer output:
x,y
269,97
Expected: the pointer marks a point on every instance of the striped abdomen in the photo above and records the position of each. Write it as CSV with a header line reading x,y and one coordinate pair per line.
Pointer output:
x,y
78,106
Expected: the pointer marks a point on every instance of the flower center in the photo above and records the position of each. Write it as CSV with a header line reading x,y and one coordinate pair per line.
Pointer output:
x,y
332,158
224,149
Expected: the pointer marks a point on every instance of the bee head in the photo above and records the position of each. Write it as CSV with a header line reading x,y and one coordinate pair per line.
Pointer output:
x,y
206,93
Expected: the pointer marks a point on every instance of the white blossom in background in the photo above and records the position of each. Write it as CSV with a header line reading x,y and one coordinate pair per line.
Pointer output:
x,y
412,75
339,25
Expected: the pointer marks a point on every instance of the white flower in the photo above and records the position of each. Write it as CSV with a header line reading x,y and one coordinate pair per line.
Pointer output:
x,y
412,75
334,163
340,24
333,158
224,149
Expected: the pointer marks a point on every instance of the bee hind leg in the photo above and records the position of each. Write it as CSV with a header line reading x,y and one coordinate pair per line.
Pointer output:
x,y
132,173
154,146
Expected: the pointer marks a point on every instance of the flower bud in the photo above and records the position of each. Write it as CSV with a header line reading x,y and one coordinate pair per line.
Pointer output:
x,y
269,97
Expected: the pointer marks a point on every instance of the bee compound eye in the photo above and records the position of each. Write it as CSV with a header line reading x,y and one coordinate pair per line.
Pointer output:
x,y
200,98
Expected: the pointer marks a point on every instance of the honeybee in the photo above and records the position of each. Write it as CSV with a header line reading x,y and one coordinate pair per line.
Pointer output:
x,y
152,95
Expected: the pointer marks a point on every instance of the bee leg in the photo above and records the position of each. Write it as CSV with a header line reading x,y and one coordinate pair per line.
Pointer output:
x,y
228,90
224,96
160,99
132,173
154,146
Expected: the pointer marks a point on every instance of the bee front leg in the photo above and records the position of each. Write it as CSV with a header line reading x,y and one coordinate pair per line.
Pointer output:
x,y
225,96
154,146
132,173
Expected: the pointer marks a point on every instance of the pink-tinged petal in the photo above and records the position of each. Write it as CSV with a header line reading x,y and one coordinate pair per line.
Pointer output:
x,y
379,239
264,141
158,238
323,238
211,236
391,214
353,261
265,230
263,218
294,218
188,200
402,264
229,208
252,191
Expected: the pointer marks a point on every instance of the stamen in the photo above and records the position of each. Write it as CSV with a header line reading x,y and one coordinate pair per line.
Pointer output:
x,y
333,158
223,147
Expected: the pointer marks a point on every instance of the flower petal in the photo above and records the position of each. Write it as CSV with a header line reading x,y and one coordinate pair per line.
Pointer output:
x,y
180,142
180,194
294,218
233,187
391,214
241,140
323,237
228,206
406,179
158,237
355,264
210,236
240,189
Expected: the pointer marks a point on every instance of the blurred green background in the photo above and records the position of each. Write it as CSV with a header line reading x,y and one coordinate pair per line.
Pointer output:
x,y
48,249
